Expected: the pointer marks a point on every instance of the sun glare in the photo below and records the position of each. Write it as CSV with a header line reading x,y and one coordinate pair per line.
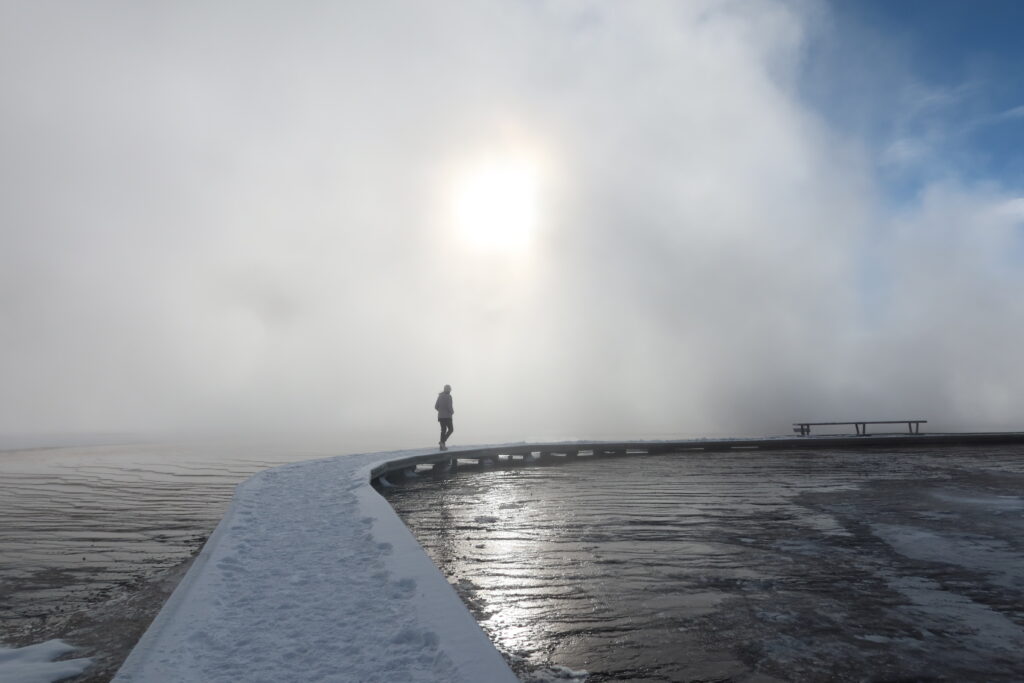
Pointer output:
x,y
496,204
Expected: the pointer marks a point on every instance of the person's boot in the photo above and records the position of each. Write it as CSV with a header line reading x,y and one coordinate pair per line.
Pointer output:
x,y
442,446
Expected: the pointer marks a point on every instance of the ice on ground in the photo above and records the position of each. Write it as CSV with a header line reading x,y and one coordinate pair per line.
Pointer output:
x,y
554,674
972,622
1007,503
35,663
973,552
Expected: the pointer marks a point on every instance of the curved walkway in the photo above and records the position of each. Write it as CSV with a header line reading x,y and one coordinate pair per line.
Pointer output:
x,y
311,576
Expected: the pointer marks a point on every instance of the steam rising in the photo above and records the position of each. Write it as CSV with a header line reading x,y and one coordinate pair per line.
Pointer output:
x,y
230,219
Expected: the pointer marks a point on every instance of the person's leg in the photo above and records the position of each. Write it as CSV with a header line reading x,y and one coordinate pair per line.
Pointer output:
x,y
440,421
451,428
446,428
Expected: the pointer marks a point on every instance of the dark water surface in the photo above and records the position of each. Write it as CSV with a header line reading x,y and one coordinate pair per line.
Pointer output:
x,y
93,539
759,566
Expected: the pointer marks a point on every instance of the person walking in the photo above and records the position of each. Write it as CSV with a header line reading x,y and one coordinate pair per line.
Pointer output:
x,y
443,406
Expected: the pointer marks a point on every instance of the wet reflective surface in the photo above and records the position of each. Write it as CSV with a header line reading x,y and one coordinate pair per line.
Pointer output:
x,y
759,566
92,540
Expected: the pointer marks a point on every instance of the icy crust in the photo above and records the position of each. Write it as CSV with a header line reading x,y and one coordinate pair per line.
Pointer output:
x,y
311,576
34,663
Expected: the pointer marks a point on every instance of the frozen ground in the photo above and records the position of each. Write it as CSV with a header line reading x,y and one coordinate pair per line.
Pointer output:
x,y
36,663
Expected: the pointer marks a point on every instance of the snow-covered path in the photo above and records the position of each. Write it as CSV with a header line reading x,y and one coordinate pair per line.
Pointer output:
x,y
311,576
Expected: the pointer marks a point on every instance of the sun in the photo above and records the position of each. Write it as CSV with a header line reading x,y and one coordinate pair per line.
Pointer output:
x,y
496,203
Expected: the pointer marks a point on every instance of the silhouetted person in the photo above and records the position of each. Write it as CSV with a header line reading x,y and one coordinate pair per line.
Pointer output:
x,y
443,406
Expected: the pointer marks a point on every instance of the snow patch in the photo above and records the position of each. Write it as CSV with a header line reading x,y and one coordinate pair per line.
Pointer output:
x,y
553,674
35,663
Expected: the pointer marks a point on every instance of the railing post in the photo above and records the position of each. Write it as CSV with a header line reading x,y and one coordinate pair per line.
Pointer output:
x,y
444,465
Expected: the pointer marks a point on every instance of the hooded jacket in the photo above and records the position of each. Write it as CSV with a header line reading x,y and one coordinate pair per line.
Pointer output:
x,y
443,405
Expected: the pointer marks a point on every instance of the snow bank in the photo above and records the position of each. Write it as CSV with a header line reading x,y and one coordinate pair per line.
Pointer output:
x,y
311,576
34,664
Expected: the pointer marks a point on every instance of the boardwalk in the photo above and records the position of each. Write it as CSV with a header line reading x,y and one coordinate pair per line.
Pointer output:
x,y
540,451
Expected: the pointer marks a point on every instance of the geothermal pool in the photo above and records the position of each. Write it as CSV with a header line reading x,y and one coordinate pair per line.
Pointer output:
x,y
741,566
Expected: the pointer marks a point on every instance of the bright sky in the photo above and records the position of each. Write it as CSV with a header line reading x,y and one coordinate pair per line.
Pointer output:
x,y
591,219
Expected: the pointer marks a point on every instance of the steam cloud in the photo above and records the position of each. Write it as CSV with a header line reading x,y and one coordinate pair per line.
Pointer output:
x,y
231,218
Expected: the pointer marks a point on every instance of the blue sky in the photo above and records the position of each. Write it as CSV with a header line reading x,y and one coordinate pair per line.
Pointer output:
x,y
934,86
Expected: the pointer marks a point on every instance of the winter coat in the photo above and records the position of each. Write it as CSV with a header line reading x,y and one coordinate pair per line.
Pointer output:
x,y
443,405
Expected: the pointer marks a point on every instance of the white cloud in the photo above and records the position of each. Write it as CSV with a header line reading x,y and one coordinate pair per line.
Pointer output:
x,y
1012,113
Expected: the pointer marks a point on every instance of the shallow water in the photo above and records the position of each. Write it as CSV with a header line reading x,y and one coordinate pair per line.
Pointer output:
x,y
760,566
93,539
